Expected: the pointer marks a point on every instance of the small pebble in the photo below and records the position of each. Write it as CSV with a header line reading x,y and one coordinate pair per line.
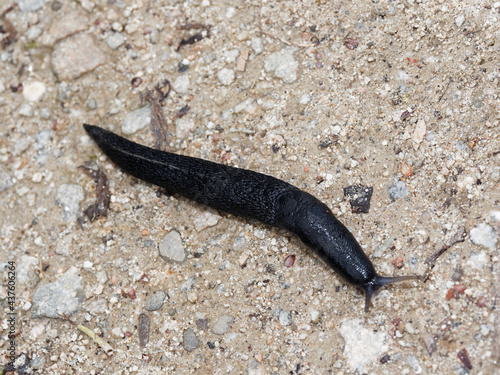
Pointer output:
x,y
171,247
183,127
285,317
222,325
144,324
67,57
283,64
257,45
6,181
181,84
115,40
484,235
30,5
190,342
192,297
205,219
33,91
61,298
226,76
188,285
398,190
68,197
248,106
137,120
155,302
26,110
304,99
202,324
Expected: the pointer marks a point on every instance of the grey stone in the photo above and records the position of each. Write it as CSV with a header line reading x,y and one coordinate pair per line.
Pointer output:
x,y
75,56
171,247
115,40
285,317
190,341
43,141
137,120
68,197
61,298
6,181
283,64
38,363
155,302
398,190
223,324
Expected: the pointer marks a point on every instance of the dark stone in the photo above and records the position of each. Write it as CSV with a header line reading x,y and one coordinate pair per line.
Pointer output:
x,y
359,196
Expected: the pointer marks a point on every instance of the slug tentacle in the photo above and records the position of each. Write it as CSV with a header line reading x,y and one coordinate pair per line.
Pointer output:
x,y
379,281
252,195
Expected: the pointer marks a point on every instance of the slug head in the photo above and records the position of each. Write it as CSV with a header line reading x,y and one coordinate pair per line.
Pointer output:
x,y
379,281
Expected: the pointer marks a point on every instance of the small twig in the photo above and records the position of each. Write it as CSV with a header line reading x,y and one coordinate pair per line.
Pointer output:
x,y
277,37
103,197
459,236
244,131
99,341
445,89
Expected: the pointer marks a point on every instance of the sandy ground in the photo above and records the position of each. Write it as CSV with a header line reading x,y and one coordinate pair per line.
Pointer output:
x,y
380,93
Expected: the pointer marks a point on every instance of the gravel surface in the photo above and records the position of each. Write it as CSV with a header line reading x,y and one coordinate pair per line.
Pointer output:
x,y
398,96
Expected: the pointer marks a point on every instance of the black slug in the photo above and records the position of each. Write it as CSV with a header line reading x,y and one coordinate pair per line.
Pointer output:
x,y
252,195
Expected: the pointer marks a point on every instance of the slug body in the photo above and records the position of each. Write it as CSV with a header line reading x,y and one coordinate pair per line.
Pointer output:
x,y
251,195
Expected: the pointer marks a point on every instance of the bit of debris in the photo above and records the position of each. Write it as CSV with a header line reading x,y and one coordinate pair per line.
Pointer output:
x,y
144,323
359,196
103,197
459,236
99,341
289,261
196,37
241,62
158,122
351,43
7,28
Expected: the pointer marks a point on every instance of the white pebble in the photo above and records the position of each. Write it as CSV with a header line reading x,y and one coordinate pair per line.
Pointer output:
x,y
33,91
226,76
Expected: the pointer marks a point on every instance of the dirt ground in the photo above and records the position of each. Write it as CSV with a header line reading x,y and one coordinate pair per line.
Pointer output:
x,y
401,96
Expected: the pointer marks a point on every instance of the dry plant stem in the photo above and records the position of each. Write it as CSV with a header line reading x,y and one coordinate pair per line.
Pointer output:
x,y
459,236
158,121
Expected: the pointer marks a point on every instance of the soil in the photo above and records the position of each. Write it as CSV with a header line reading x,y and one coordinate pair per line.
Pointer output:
x,y
400,94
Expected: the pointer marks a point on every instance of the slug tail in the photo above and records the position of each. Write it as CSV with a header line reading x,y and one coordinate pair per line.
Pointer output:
x,y
380,281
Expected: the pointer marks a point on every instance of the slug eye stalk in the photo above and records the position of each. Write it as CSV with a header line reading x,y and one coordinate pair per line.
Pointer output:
x,y
380,281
